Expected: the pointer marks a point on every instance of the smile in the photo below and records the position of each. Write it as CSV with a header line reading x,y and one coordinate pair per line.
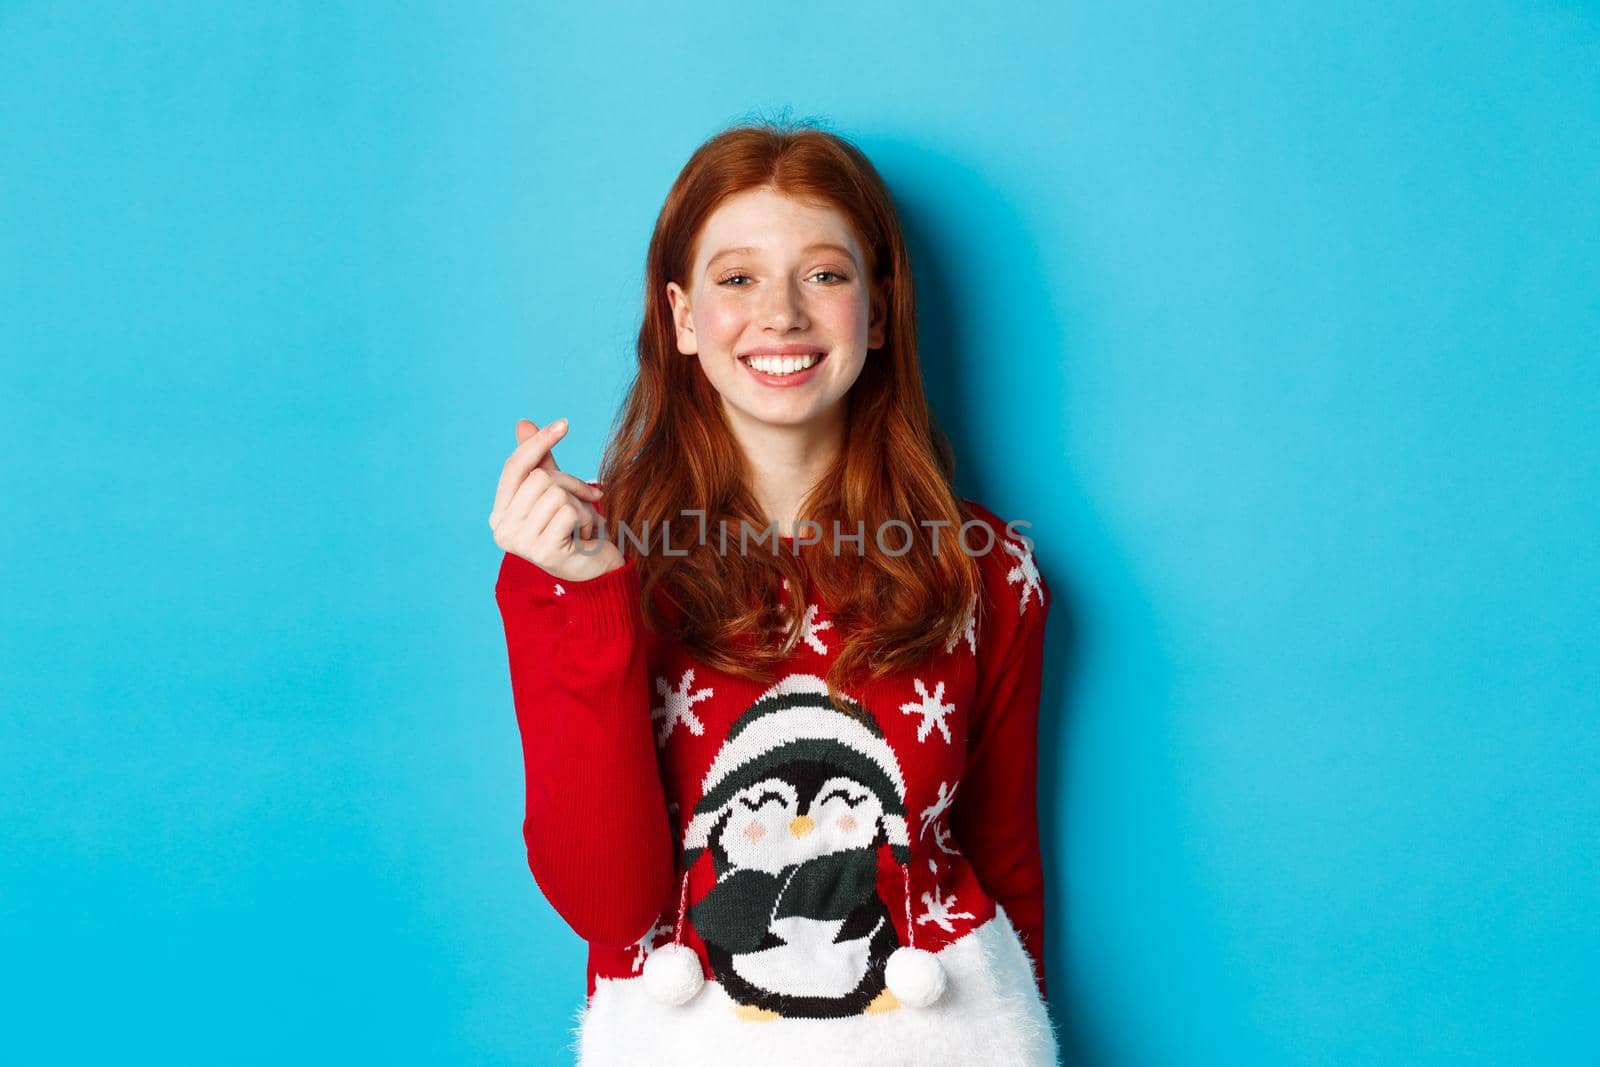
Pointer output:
x,y
783,370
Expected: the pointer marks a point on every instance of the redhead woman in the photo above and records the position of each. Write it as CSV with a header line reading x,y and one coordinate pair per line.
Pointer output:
x,y
777,684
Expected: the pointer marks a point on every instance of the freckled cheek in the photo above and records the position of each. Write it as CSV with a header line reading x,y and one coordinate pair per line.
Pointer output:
x,y
721,325
845,316
755,831
846,823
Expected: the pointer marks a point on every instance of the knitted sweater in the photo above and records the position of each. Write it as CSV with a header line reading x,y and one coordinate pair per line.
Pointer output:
x,y
791,846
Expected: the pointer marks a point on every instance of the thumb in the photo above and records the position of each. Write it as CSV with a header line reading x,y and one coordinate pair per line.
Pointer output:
x,y
526,428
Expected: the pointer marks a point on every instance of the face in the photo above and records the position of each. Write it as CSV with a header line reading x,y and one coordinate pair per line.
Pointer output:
x,y
773,273
770,826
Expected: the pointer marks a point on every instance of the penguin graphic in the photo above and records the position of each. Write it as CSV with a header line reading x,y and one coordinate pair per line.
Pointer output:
x,y
793,809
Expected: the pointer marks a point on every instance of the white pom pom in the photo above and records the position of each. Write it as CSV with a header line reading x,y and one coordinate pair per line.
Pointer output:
x,y
915,976
672,974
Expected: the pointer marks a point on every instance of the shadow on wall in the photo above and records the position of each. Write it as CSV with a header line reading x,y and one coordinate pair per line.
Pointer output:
x,y
963,364
1003,402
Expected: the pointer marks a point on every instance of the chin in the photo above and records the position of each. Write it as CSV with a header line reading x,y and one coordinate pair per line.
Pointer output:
x,y
784,420
778,415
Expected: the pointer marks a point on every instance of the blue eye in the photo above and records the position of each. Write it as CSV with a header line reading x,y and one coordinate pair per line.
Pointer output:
x,y
730,279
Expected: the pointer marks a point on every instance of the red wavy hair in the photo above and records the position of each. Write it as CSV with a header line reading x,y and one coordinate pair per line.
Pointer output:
x,y
670,448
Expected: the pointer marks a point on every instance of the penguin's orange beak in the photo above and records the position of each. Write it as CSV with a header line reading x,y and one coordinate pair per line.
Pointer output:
x,y
802,825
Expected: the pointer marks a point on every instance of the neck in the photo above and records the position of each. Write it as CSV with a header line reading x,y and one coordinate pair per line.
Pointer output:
x,y
783,463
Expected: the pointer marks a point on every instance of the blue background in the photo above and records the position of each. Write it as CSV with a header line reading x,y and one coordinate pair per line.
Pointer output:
x,y
1281,327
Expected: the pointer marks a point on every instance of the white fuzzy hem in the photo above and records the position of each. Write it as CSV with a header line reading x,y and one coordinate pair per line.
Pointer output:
x,y
991,1013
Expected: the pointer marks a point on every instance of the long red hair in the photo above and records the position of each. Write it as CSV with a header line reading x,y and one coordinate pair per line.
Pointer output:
x,y
671,451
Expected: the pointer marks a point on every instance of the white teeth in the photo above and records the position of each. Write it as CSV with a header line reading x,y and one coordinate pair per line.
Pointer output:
x,y
782,364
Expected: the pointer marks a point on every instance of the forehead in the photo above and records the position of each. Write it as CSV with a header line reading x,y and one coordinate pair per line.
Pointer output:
x,y
765,221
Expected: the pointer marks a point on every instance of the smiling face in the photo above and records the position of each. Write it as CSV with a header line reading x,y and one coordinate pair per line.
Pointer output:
x,y
778,822
774,273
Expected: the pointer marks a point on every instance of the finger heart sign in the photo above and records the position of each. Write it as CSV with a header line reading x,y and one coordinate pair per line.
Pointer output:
x,y
546,515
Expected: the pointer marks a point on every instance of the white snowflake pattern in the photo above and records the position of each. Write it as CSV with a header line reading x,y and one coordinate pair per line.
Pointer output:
x,y
968,631
678,706
559,590
809,626
938,907
647,944
1026,572
932,708
931,813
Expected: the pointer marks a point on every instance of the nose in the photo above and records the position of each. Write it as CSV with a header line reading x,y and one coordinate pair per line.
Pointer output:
x,y
784,309
802,825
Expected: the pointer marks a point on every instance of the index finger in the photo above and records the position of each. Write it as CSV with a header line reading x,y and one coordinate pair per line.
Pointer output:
x,y
534,452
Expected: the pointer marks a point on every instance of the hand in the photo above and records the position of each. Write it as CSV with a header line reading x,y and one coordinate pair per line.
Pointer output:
x,y
546,515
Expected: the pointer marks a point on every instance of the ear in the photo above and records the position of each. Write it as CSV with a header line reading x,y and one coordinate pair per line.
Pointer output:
x,y
682,319
878,323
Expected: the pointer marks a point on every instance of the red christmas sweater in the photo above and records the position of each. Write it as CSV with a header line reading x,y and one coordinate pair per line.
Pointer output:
x,y
657,787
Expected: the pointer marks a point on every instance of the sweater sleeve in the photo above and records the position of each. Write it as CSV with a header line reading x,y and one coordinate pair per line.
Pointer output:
x,y
995,816
595,823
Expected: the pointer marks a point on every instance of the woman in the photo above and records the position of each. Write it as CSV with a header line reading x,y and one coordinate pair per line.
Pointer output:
x,y
783,786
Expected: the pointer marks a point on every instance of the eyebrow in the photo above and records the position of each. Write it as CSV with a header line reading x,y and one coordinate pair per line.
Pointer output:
x,y
745,250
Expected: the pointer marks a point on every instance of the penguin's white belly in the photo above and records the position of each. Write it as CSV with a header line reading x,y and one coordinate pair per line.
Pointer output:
x,y
810,964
